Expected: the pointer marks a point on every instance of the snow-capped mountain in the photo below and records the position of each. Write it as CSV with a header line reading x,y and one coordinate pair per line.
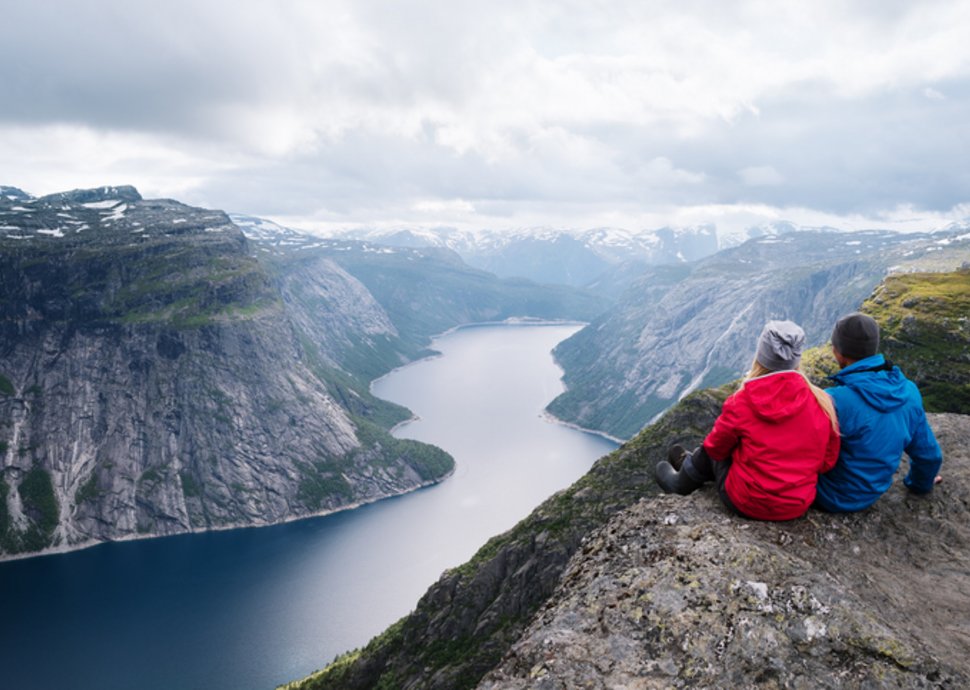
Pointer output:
x,y
550,255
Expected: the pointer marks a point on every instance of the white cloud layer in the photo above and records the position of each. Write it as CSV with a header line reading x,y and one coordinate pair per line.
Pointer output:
x,y
348,112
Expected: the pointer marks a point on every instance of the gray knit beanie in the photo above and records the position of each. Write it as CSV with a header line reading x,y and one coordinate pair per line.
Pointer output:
x,y
780,345
856,336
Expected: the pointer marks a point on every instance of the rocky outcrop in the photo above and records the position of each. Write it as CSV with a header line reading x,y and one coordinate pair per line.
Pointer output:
x,y
153,381
676,593
681,330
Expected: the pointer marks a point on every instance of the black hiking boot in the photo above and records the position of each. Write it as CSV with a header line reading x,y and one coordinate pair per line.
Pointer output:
x,y
674,481
676,455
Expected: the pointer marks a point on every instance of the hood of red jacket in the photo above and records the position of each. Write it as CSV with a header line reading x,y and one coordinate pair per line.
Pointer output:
x,y
776,397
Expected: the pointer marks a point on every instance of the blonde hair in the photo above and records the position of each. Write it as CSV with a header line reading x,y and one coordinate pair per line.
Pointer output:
x,y
821,397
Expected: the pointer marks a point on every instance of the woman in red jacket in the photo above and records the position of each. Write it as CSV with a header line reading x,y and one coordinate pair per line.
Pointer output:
x,y
773,438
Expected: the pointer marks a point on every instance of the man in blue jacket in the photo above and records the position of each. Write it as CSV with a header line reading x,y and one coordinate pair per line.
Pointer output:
x,y
880,415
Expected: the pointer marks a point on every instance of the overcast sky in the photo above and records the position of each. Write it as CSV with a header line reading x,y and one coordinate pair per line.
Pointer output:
x,y
498,114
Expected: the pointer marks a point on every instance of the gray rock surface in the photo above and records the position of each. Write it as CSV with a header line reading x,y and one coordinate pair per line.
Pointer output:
x,y
674,592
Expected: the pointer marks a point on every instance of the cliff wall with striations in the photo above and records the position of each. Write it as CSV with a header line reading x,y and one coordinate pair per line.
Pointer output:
x,y
152,381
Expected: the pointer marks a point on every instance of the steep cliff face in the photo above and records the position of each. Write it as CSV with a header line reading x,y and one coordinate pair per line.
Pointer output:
x,y
152,382
675,332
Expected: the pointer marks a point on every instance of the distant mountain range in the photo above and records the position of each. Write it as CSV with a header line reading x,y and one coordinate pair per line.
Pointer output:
x,y
547,255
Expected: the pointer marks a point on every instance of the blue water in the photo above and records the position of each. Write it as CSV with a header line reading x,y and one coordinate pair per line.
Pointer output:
x,y
252,608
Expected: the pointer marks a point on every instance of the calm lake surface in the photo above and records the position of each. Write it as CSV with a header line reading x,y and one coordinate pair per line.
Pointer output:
x,y
252,608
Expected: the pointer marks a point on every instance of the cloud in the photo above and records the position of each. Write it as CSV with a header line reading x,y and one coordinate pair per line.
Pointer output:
x,y
761,176
359,111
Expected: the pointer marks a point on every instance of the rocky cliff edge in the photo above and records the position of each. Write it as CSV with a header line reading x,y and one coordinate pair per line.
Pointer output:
x,y
674,592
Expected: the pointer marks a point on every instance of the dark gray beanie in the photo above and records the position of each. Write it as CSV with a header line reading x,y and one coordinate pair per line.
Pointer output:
x,y
856,336
780,345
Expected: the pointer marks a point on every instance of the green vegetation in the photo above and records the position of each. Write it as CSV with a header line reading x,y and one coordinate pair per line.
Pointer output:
x,y
152,475
717,376
88,492
183,284
425,294
925,323
353,392
323,483
925,330
624,417
8,539
190,486
430,462
342,670
6,386
40,505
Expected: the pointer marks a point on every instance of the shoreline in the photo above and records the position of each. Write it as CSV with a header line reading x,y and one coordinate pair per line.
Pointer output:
x,y
82,546
553,419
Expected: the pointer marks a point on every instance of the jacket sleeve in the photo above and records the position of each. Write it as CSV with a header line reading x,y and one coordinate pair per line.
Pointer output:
x,y
725,435
831,451
925,457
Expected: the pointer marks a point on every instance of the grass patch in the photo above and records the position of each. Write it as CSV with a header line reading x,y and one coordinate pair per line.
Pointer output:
x,y
352,392
40,505
151,476
8,540
925,329
190,486
430,462
88,492
6,386
323,483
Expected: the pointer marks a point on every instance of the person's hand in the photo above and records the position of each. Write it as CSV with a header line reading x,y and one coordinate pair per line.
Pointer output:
x,y
939,478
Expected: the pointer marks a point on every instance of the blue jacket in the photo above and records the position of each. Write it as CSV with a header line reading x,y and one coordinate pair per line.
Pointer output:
x,y
880,415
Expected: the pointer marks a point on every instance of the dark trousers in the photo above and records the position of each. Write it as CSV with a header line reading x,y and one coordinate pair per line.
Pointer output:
x,y
700,467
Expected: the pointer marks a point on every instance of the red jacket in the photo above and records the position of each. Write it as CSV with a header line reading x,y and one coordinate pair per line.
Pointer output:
x,y
779,440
